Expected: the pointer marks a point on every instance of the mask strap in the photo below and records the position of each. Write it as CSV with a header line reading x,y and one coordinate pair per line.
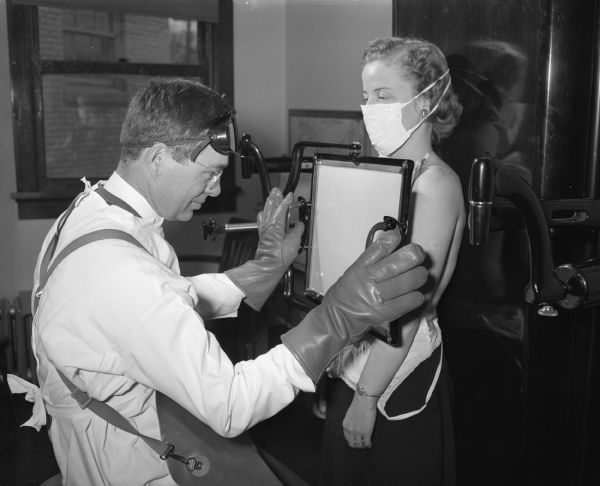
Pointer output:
x,y
440,98
435,107
433,84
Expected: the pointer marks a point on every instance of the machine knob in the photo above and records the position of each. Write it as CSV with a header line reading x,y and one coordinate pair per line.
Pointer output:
x,y
546,310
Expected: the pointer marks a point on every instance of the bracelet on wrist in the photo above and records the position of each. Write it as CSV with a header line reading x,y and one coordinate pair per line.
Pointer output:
x,y
362,392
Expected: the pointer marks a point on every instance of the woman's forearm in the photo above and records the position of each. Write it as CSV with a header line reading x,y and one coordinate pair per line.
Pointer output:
x,y
385,360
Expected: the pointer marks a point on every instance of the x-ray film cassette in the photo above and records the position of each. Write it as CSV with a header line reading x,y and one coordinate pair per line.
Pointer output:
x,y
352,198
349,197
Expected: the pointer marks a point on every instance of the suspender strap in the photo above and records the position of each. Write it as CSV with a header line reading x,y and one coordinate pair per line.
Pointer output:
x,y
110,199
113,417
54,242
83,399
103,234
101,409
46,269
113,200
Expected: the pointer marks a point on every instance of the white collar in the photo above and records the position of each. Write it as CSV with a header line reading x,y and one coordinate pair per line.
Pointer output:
x,y
121,188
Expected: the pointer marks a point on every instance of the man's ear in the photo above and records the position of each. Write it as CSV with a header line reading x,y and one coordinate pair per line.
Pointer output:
x,y
156,157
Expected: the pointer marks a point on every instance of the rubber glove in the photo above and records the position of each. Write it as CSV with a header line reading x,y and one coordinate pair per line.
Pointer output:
x,y
380,286
275,252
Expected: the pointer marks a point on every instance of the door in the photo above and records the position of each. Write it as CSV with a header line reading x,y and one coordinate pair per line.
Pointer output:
x,y
527,387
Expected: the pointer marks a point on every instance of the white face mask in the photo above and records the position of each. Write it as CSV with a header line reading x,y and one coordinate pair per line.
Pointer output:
x,y
384,122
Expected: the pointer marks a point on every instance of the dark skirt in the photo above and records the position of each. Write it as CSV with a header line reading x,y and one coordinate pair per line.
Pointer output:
x,y
418,450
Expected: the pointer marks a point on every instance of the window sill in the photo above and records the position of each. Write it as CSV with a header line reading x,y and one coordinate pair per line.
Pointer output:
x,y
40,205
49,205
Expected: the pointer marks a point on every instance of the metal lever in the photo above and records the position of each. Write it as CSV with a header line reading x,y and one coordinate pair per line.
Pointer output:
x,y
252,157
481,198
566,286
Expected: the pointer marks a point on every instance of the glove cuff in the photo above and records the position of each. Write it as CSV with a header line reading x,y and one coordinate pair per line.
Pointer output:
x,y
256,282
315,342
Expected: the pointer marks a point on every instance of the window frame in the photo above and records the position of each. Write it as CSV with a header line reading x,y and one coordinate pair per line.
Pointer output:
x,y
40,197
113,18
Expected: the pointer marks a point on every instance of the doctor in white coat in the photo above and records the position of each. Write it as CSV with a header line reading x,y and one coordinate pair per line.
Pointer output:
x,y
120,322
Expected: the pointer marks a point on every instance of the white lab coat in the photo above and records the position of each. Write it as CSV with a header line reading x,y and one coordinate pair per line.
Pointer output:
x,y
121,323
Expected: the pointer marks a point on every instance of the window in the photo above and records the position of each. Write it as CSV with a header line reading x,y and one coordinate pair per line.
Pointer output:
x,y
73,72
91,36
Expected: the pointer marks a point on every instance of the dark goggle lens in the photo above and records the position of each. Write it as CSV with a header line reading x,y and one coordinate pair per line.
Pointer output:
x,y
223,141
222,138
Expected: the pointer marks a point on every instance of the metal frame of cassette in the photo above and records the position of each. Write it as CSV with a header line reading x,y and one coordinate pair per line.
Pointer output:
x,y
349,197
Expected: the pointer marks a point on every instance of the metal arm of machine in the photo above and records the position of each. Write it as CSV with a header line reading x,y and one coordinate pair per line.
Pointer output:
x,y
252,157
251,160
298,151
566,286
212,228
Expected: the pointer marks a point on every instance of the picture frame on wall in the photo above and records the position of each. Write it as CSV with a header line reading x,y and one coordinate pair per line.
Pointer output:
x,y
334,126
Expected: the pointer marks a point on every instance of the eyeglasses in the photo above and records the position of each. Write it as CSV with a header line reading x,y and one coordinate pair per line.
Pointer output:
x,y
214,179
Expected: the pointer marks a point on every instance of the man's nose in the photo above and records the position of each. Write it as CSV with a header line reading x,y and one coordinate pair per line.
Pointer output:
x,y
214,191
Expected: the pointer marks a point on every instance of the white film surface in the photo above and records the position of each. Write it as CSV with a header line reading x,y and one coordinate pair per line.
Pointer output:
x,y
347,202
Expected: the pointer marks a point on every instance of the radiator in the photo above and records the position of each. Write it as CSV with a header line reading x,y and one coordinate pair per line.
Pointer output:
x,y
15,334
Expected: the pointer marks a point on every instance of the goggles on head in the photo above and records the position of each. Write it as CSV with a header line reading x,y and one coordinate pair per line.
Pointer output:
x,y
222,137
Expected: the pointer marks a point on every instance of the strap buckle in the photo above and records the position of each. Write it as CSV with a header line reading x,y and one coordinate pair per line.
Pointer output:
x,y
191,463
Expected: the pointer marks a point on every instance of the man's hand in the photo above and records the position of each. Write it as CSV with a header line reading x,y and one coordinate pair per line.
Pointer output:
x,y
276,251
380,286
274,243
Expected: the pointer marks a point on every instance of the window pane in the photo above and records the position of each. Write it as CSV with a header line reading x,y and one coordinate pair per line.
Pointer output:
x,y
82,122
183,41
69,35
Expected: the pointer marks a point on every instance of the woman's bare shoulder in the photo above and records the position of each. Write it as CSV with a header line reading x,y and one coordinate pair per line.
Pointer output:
x,y
436,173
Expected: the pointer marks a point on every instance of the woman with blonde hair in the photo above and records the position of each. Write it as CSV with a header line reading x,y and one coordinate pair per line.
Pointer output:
x,y
388,414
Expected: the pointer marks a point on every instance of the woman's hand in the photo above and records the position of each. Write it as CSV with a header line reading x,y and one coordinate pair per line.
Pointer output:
x,y
359,421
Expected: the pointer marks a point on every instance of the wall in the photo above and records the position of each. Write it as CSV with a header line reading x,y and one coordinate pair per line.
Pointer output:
x,y
259,99
19,240
294,54
325,39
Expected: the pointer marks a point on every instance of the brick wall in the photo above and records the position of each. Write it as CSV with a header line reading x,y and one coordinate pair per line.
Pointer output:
x,y
83,114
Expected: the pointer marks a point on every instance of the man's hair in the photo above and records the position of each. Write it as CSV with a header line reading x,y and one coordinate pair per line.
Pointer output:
x,y
422,63
169,110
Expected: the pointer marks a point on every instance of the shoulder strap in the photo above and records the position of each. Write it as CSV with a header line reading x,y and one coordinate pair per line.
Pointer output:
x,y
103,234
113,200
46,269
101,409
113,417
